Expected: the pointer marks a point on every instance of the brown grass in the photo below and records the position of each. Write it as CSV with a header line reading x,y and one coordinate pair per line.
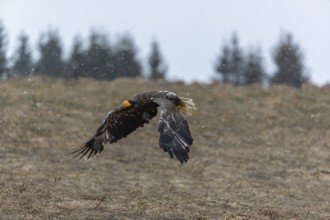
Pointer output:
x,y
257,154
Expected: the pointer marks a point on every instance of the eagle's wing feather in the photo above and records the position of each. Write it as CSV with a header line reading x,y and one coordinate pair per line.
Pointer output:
x,y
119,123
175,137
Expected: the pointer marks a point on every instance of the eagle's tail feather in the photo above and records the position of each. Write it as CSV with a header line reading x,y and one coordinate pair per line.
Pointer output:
x,y
187,107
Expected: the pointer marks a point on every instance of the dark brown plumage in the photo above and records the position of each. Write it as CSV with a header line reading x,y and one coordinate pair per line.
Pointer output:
x,y
175,137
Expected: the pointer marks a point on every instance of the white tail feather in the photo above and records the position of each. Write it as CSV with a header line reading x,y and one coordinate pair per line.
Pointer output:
x,y
188,106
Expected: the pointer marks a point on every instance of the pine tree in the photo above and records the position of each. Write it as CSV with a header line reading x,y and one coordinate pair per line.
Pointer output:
x,y
23,64
231,63
50,62
99,61
3,59
223,67
156,64
237,62
254,71
76,63
126,63
289,61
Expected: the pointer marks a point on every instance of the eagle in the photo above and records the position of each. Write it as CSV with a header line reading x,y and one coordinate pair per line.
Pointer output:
x,y
175,137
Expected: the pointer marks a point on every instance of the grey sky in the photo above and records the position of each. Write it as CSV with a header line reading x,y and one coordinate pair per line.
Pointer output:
x,y
190,33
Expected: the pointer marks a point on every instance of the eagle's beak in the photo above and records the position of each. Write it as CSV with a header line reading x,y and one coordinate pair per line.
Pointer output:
x,y
126,104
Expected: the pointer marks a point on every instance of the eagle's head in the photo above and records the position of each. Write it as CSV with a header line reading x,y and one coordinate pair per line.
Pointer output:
x,y
183,104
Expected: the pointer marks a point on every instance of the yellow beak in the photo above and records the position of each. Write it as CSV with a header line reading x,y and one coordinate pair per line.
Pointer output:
x,y
126,104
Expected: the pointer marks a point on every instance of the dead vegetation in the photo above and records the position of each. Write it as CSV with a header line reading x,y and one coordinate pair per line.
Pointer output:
x,y
257,154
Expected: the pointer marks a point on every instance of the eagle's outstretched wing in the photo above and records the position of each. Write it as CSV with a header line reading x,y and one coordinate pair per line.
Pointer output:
x,y
175,137
119,122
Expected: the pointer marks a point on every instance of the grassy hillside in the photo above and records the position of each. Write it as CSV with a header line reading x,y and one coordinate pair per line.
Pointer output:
x,y
257,154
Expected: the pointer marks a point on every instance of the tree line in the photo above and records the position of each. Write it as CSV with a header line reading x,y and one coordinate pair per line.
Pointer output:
x,y
104,61
99,59
236,67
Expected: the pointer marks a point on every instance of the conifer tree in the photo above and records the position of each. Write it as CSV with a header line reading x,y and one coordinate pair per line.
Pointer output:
x,y
237,62
223,66
126,63
254,71
231,63
76,64
99,60
156,63
23,65
289,63
3,59
51,62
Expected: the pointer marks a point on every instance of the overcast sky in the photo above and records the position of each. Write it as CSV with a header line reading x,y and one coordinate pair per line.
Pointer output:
x,y
190,33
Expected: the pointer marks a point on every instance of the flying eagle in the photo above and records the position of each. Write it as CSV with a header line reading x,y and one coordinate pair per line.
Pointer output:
x,y
175,137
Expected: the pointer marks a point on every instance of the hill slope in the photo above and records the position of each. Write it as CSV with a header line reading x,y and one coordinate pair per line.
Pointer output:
x,y
257,154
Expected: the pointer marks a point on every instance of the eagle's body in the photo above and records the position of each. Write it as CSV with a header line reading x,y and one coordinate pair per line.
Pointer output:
x,y
175,137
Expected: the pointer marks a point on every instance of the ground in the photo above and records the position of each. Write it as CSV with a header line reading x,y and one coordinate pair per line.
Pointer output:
x,y
258,153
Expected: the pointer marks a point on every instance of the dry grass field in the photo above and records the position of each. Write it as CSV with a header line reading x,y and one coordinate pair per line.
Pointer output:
x,y
258,153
